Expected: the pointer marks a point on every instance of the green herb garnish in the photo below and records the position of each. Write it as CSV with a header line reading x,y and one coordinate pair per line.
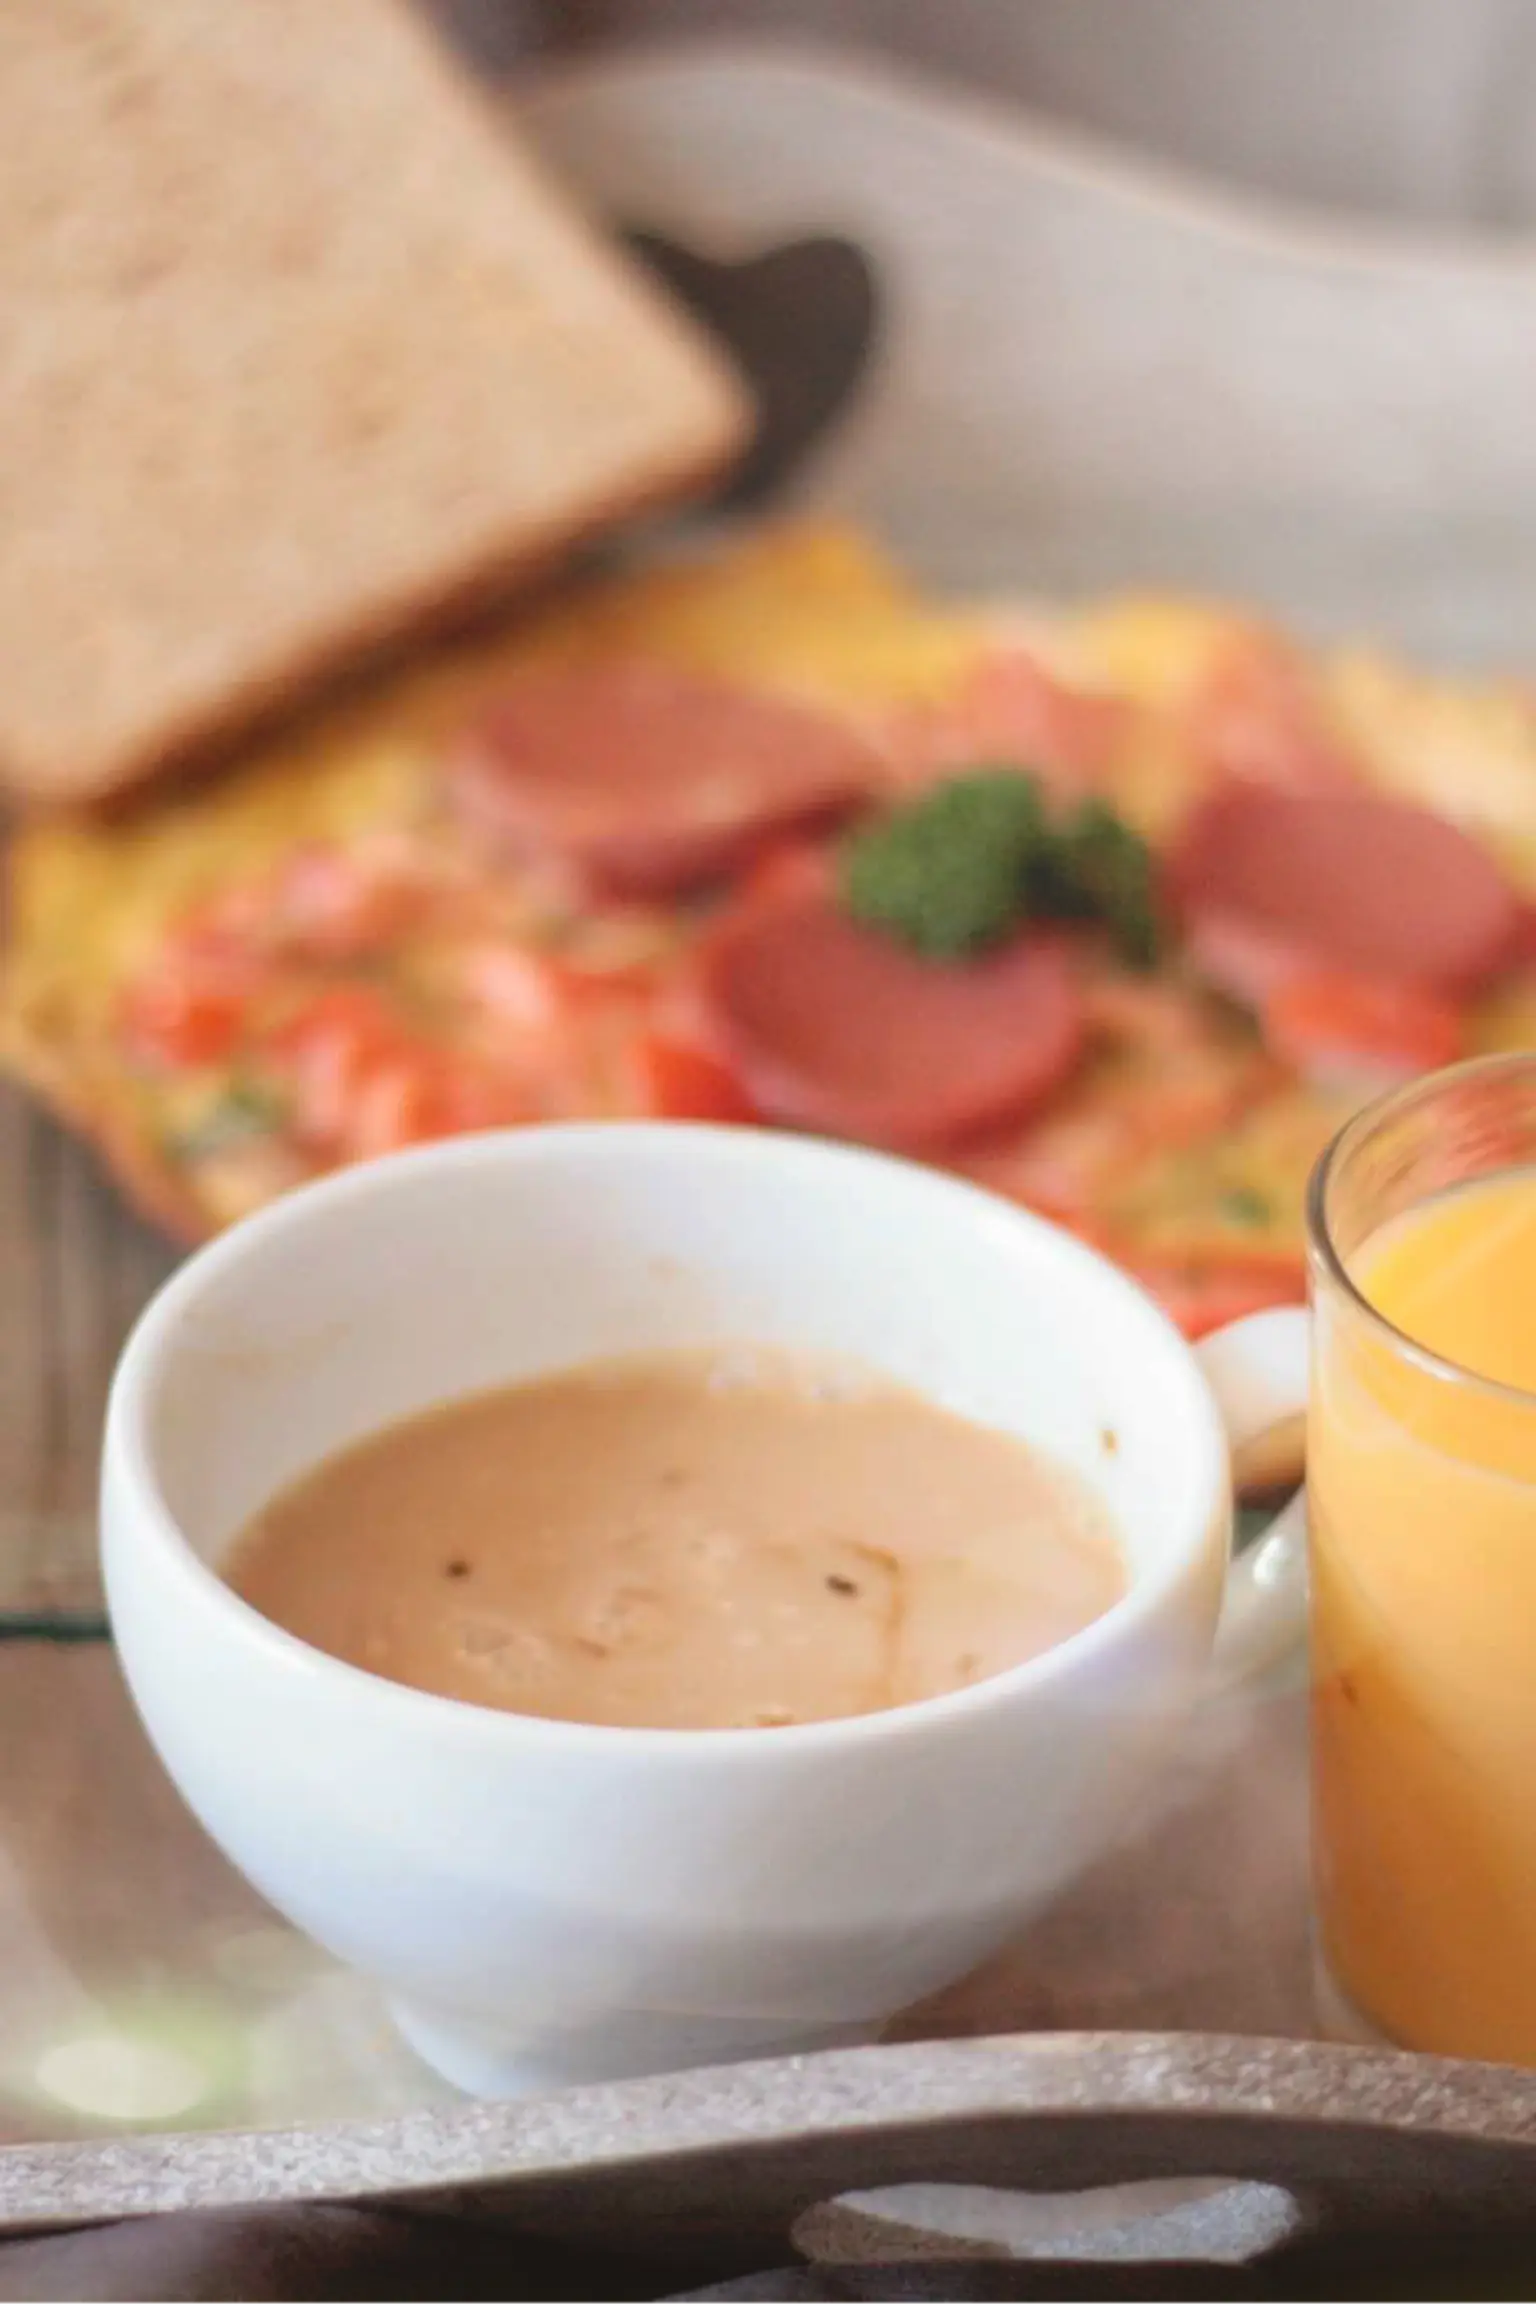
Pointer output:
x,y
246,1108
977,857
1106,870
945,873
1243,1205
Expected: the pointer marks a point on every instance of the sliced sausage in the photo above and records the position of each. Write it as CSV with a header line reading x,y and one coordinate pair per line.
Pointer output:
x,y
833,1027
1350,880
643,780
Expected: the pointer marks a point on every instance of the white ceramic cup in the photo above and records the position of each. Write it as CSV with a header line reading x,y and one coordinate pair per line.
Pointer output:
x,y
545,1902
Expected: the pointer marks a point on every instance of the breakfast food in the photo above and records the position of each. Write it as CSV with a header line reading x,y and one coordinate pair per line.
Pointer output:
x,y
769,1539
1117,910
304,351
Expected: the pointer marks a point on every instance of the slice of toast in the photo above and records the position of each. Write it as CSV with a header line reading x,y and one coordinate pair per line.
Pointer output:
x,y
300,353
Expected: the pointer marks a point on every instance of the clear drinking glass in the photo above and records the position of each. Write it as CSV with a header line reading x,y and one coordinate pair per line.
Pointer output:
x,y
1422,1511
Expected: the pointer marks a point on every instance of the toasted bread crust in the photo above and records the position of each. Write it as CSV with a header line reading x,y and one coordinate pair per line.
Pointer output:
x,y
307,356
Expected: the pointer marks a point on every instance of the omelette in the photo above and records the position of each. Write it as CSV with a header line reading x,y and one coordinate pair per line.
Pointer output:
x,y
1119,909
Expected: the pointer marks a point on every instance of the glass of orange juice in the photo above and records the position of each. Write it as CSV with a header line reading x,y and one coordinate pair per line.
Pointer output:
x,y
1421,1477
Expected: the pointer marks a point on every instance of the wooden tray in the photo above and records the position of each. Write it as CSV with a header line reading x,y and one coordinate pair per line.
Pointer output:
x,y
742,2158
1085,377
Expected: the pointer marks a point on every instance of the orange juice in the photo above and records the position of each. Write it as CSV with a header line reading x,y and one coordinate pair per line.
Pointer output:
x,y
1422,1488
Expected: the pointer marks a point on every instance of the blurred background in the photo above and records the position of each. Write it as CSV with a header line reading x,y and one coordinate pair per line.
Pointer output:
x,y
1419,110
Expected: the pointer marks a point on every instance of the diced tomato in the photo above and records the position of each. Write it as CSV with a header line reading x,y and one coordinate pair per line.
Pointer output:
x,y
420,1094
397,1100
1259,718
350,1014
331,905
1201,1299
363,1083
327,1051
1010,708
475,1098
1088,1228
170,1018
231,917
1019,705
675,1080
520,989
1326,1019
537,1025
189,1005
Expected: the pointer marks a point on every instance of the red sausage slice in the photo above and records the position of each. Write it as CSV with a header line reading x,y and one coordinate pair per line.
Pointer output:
x,y
645,780
1274,879
832,1027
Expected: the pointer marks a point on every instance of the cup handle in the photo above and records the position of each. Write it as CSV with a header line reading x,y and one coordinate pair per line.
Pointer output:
x,y
1257,1372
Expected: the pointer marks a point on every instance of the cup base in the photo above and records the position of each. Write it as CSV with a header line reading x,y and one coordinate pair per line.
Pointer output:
x,y
483,2063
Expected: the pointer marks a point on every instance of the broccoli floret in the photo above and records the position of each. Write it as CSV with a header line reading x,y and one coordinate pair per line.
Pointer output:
x,y
947,874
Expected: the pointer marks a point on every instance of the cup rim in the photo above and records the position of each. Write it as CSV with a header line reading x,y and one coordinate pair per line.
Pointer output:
x,y
1324,1251
129,1466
